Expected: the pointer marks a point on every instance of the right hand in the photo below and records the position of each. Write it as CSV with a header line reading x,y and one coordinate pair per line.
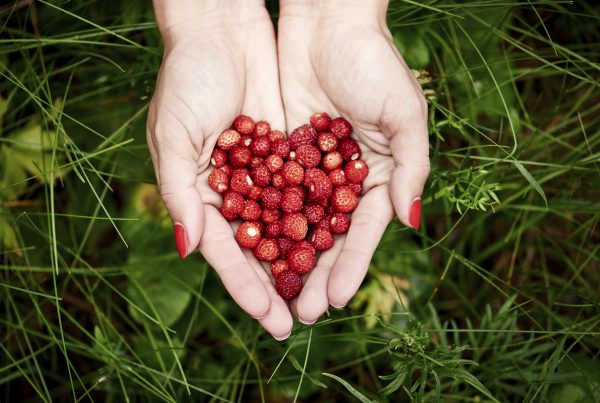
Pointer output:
x,y
219,62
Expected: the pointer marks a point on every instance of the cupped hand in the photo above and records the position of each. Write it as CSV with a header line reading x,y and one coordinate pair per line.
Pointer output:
x,y
340,59
217,64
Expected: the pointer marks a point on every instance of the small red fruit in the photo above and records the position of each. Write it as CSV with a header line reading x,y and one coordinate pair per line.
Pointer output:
x,y
356,171
314,213
261,146
233,204
322,239
228,139
324,224
304,134
349,150
248,235
327,141
305,244
301,260
276,135
320,121
308,155
267,250
278,181
256,162
332,160
293,173
356,188
344,200
288,285
320,189
271,198
241,181
338,177
251,211
228,169
281,148
274,163
340,127
239,156
273,230
262,128
295,226
255,193
243,124
261,176
218,180
218,157
270,215
278,267
291,202
339,223
285,246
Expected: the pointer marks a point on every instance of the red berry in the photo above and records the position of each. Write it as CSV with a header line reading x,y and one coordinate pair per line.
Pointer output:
x,y
276,135
256,162
278,181
261,146
324,224
262,128
344,200
281,148
239,156
248,235
255,193
314,213
305,244
271,198
327,142
241,181
297,189
261,176
228,169
339,223
246,140
356,171
356,188
243,124
251,211
273,230
338,177
320,189
288,285
349,149
292,202
270,215
332,160
274,162
340,127
218,157
313,174
295,226
301,260
322,239
233,204
267,250
218,180
304,134
278,267
285,246
320,121
228,139
308,155
293,173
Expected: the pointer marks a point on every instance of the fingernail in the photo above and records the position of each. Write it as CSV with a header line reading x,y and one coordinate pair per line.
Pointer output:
x,y
306,322
181,240
283,337
414,215
340,306
260,317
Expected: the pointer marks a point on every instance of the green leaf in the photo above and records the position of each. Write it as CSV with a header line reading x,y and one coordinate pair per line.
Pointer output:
x,y
296,364
531,180
350,388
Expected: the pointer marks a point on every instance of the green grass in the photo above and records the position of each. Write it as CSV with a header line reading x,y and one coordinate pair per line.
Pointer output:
x,y
495,299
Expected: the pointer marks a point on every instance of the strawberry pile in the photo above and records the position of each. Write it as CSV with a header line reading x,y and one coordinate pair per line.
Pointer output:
x,y
292,194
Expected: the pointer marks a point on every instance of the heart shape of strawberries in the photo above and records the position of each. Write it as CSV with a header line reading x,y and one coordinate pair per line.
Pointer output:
x,y
293,194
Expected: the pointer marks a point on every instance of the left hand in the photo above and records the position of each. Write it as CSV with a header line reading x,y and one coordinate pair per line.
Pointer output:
x,y
339,57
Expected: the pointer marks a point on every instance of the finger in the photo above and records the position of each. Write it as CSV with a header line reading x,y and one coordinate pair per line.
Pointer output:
x,y
222,252
175,159
313,300
369,221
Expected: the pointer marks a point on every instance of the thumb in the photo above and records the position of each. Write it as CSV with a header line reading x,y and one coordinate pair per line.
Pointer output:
x,y
409,144
175,163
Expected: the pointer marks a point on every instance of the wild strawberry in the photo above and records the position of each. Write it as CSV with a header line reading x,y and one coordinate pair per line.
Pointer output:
x,y
313,213
261,176
251,211
228,169
278,267
293,173
266,250
307,245
274,162
246,140
270,215
339,223
255,193
344,200
281,148
233,204
276,135
241,181
324,224
338,177
271,198
313,174
332,160
218,180
273,230
228,139
327,142
248,235
320,121
262,128
218,157
291,202
278,181
243,124
304,134
295,226
356,188
322,239
285,246
256,162
308,155
298,190
261,146
320,189
340,127
349,150
239,156
288,285
301,260
356,171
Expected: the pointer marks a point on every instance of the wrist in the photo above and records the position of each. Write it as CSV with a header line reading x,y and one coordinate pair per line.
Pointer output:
x,y
369,10
177,19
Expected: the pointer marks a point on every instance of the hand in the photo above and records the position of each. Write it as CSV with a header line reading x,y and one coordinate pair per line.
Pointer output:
x,y
219,61
339,57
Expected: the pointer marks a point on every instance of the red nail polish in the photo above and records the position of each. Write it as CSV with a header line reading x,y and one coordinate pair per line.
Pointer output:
x,y
414,216
181,240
